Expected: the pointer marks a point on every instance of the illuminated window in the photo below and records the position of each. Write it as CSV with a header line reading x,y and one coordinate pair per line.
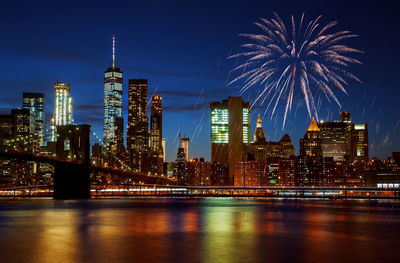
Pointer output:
x,y
245,125
219,125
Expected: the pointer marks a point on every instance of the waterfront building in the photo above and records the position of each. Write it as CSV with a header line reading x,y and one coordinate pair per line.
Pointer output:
x,y
34,102
359,143
137,129
250,173
156,150
230,131
199,172
164,144
287,172
335,139
21,123
219,174
383,173
344,140
156,124
181,168
260,150
6,134
6,129
185,145
63,108
113,79
310,145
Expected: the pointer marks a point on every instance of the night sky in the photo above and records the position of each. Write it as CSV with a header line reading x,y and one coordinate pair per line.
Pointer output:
x,y
181,47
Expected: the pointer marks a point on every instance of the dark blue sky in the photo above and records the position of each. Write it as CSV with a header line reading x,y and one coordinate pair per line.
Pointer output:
x,y
181,48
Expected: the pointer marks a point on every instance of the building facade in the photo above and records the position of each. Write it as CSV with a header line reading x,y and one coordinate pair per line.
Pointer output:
x,y
34,102
156,124
113,79
185,145
199,172
137,140
261,150
230,131
359,143
63,108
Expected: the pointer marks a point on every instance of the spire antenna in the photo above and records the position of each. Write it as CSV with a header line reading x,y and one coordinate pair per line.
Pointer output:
x,y
113,55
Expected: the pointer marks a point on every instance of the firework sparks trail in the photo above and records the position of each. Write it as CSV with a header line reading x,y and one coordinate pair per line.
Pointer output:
x,y
307,57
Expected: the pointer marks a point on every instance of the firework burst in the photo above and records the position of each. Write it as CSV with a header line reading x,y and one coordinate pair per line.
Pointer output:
x,y
306,56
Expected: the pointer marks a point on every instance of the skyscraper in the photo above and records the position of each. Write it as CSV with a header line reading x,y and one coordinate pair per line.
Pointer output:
x,y
112,101
359,143
21,122
164,144
181,168
117,146
63,108
230,131
335,137
35,103
156,150
261,150
156,124
185,145
137,138
311,144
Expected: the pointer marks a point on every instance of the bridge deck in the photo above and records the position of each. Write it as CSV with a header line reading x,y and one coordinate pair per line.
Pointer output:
x,y
214,191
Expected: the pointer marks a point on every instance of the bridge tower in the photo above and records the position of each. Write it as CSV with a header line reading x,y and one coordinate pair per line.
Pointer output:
x,y
72,179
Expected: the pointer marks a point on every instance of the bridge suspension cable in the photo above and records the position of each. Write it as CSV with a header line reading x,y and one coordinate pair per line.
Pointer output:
x,y
107,149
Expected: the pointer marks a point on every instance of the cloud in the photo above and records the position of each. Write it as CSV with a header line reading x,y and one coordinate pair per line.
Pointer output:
x,y
209,75
42,48
92,105
180,107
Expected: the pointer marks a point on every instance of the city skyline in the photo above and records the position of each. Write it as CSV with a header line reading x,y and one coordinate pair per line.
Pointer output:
x,y
200,83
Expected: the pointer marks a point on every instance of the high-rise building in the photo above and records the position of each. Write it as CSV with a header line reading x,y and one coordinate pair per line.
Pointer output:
x,y
21,122
156,124
34,102
310,145
334,139
359,143
112,102
63,108
230,131
117,146
181,168
344,140
137,138
260,150
6,128
156,160
185,145
164,144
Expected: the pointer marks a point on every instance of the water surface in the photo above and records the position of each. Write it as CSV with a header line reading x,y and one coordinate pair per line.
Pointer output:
x,y
199,230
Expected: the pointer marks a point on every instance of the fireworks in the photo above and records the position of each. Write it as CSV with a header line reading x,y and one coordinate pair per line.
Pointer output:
x,y
307,57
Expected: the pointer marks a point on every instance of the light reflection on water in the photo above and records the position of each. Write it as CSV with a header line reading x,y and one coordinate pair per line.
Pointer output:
x,y
198,230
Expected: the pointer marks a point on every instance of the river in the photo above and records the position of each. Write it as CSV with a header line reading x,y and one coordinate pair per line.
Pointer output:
x,y
199,230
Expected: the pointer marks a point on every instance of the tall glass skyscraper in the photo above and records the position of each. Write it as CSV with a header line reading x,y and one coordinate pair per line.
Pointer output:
x,y
34,102
112,101
63,108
